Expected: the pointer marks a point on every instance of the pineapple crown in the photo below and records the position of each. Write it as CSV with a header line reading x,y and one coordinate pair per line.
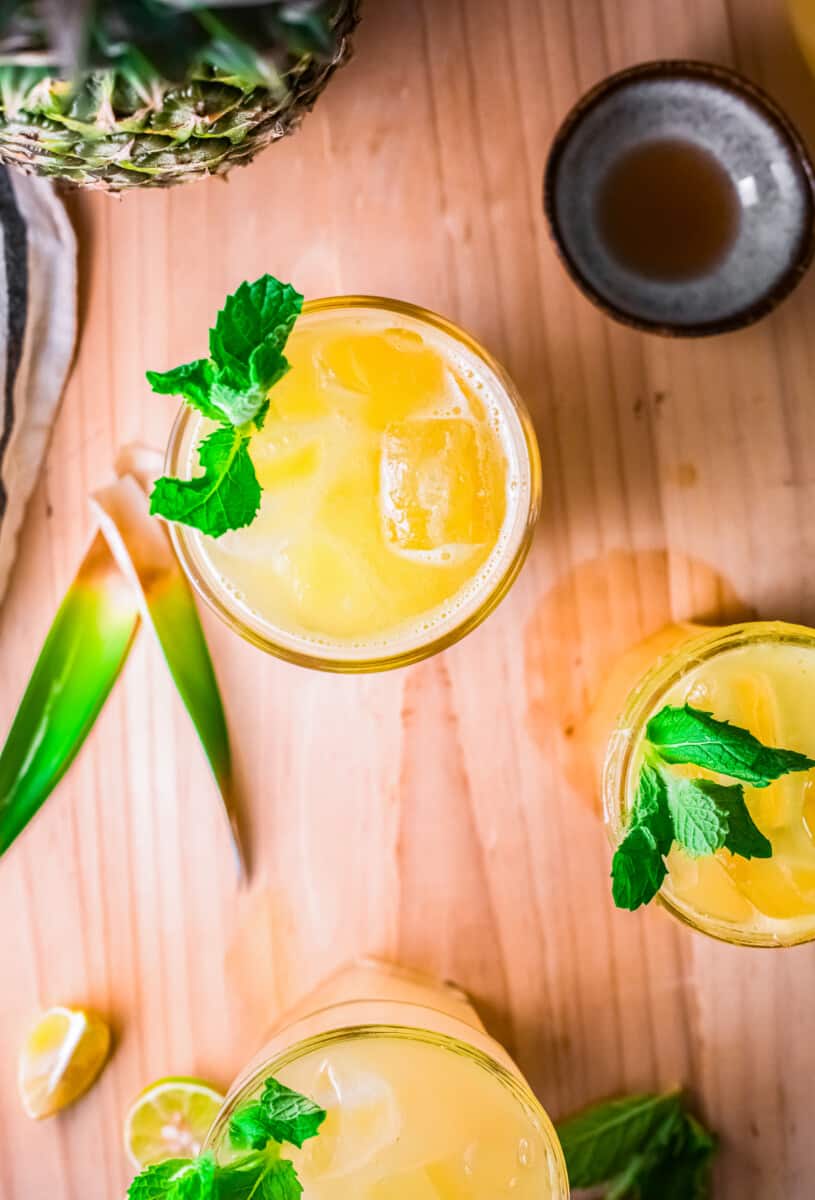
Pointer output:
x,y
253,42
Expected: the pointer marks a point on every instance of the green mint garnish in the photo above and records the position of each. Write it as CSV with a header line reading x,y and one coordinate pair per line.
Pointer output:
x,y
261,1127
280,1115
178,1179
699,815
231,387
639,1148
689,735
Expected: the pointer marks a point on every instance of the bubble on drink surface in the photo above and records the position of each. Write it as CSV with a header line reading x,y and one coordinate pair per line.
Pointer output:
x,y
432,489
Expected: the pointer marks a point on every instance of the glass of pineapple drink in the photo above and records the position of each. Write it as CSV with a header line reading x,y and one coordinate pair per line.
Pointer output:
x,y
401,485
421,1103
759,675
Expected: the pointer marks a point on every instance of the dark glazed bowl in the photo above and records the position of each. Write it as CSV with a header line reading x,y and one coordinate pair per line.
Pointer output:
x,y
754,142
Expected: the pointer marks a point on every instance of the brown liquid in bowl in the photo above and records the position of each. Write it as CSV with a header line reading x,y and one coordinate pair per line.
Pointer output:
x,y
667,210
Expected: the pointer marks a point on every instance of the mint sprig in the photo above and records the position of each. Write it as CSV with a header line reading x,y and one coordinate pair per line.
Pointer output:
x,y
230,387
645,1147
699,815
280,1116
691,735
177,1179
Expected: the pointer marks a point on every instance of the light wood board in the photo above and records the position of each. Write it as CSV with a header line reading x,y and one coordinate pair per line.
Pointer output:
x,y
441,815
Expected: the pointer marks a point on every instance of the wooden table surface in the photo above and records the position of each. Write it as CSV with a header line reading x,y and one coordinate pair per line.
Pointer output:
x,y
443,815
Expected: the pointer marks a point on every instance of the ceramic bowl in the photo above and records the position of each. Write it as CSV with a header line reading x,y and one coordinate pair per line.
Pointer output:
x,y
751,139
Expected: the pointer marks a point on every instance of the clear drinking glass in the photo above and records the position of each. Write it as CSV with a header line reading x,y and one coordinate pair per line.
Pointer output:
x,y
309,566
759,675
422,1104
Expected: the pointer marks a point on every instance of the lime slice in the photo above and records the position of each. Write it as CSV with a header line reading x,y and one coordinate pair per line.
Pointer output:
x,y
170,1119
60,1059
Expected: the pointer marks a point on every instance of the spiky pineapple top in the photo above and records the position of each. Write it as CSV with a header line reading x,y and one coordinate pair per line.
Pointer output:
x,y
116,94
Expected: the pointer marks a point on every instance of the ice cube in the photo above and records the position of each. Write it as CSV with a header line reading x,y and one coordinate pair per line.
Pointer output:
x,y
432,488
362,1122
324,576
393,371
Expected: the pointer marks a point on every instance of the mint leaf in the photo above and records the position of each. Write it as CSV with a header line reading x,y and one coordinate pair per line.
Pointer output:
x,y
193,382
263,1176
700,824
281,1183
639,1148
292,1118
651,808
637,869
230,387
684,1171
267,365
280,1115
249,1127
242,1179
178,1179
743,835
226,496
247,343
690,735
600,1141
263,311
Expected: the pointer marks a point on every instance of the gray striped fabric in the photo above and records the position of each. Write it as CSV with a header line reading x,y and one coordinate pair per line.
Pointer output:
x,y
37,334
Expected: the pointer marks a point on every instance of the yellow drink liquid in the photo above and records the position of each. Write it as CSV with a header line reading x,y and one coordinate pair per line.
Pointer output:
x,y
760,676
398,491
421,1104
803,20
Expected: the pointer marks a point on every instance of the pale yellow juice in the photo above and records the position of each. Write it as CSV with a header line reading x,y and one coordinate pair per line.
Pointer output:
x,y
421,1104
803,19
399,479
760,676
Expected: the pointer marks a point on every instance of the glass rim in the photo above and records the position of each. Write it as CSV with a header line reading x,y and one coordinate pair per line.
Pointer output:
x,y
245,1088
217,598
660,677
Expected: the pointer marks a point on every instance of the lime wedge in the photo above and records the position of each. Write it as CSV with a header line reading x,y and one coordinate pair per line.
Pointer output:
x,y
60,1059
170,1119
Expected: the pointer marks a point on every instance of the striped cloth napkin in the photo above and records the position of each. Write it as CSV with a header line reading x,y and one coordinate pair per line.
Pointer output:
x,y
37,335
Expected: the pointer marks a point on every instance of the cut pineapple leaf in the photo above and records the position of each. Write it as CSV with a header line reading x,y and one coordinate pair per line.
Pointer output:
x,y
84,651
146,559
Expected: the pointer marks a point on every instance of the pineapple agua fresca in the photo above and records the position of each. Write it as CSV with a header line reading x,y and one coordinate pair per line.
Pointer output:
x,y
116,94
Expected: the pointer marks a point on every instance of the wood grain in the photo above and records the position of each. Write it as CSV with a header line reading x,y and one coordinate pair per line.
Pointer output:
x,y
442,814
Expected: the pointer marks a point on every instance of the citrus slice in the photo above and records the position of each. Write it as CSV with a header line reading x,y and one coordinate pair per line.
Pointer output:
x,y
60,1059
170,1119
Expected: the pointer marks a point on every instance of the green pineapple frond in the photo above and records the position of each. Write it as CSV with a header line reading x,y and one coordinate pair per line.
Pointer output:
x,y
253,40
122,93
